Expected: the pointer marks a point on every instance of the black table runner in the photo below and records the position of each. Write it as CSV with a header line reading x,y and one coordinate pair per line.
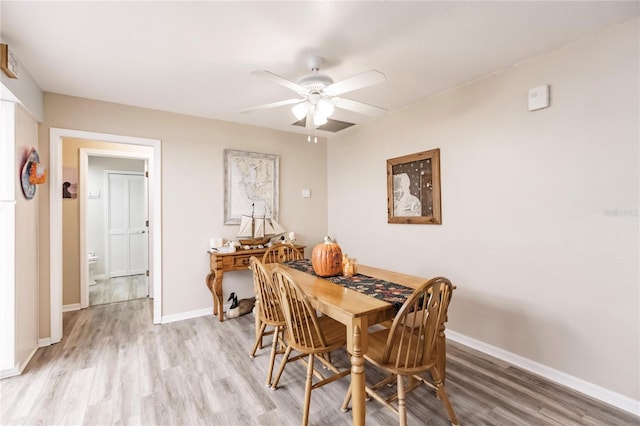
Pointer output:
x,y
389,292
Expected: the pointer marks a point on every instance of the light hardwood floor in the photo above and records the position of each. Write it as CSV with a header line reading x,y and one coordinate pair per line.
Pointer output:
x,y
115,367
118,289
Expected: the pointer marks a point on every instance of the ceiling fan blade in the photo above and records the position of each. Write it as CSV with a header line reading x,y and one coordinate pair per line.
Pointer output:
x,y
271,105
359,107
281,81
365,79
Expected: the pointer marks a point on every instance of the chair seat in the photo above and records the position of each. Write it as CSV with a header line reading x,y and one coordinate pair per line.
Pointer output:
x,y
377,343
335,334
271,320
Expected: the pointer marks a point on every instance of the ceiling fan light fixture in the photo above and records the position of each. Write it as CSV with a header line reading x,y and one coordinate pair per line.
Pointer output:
x,y
319,119
324,107
300,110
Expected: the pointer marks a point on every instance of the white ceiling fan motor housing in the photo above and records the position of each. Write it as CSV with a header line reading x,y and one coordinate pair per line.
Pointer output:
x,y
315,82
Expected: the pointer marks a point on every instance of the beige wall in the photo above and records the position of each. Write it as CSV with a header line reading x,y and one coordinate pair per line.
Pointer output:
x,y
71,214
192,188
26,282
540,209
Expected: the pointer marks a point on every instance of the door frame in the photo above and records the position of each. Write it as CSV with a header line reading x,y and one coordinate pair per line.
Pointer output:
x,y
83,194
56,136
8,362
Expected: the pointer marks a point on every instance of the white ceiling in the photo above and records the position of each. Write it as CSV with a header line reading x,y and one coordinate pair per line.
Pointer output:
x,y
196,57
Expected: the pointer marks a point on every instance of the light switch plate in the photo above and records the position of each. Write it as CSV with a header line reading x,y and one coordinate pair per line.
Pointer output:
x,y
306,193
539,97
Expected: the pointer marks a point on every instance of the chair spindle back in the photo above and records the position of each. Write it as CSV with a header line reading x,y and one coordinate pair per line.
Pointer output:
x,y
412,338
280,253
303,332
268,297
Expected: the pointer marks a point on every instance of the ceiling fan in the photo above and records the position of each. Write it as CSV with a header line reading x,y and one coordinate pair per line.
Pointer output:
x,y
319,94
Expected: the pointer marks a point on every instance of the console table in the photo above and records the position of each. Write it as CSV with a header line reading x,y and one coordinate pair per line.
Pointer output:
x,y
226,262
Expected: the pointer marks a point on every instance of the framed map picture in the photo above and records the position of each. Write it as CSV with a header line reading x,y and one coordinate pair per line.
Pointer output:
x,y
251,182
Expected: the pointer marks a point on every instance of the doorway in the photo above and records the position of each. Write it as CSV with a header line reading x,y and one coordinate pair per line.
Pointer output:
x,y
115,231
114,212
56,137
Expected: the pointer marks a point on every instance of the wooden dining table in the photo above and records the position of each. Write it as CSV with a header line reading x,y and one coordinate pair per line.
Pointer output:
x,y
357,311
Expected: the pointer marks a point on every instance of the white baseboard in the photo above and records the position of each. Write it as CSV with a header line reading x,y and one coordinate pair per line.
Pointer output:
x,y
23,365
186,315
44,342
10,372
72,307
612,398
18,369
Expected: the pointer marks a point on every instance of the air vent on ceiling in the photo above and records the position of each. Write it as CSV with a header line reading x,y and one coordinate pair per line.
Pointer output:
x,y
329,126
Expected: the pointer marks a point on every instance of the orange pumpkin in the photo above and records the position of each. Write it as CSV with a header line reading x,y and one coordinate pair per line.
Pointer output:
x,y
326,258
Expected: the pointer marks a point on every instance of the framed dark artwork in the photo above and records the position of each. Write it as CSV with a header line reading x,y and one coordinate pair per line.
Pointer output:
x,y
413,188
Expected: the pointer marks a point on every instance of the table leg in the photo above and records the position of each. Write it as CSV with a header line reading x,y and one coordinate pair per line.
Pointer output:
x,y
217,285
357,345
209,281
214,282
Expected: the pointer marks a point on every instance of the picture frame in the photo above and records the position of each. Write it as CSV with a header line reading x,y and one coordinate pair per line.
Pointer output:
x,y
8,61
413,188
69,183
251,185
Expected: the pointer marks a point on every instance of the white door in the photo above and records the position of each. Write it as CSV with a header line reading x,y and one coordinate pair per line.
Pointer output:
x,y
127,216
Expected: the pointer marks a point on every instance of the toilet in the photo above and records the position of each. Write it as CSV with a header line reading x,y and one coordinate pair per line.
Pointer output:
x,y
93,259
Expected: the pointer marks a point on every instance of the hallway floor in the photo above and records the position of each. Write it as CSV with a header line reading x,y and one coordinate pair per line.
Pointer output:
x,y
118,289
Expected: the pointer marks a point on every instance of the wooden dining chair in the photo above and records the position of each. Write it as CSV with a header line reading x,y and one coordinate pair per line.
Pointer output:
x,y
269,312
311,336
279,253
408,349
